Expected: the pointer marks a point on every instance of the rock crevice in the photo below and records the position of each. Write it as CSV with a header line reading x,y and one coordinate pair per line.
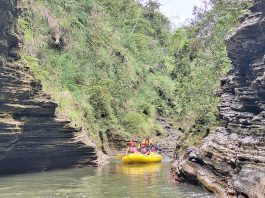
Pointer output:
x,y
231,160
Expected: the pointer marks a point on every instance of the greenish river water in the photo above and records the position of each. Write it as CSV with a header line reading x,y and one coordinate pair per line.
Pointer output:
x,y
114,180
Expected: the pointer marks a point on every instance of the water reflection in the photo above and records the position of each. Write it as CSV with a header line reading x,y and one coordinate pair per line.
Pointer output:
x,y
147,175
112,181
138,169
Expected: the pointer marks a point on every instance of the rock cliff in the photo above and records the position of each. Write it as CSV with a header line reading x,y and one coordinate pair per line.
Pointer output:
x,y
231,160
32,138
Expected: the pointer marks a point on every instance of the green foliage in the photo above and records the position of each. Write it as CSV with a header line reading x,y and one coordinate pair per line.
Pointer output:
x,y
200,58
100,77
134,122
122,66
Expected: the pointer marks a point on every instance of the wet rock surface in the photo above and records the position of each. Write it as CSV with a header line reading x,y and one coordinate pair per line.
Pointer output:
x,y
231,160
167,142
32,138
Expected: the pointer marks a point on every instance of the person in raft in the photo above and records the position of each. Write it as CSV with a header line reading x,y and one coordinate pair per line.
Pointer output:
x,y
154,148
145,145
148,146
131,147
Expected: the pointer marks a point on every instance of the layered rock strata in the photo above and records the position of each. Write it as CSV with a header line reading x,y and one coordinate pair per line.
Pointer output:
x,y
32,138
231,160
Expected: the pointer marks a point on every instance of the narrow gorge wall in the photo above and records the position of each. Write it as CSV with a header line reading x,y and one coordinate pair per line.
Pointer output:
x,y
231,160
32,138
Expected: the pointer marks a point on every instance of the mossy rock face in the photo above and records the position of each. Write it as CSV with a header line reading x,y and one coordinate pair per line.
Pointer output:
x,y
32,137
230,160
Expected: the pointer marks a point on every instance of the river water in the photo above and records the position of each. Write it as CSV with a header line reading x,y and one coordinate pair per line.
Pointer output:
x,y
114,180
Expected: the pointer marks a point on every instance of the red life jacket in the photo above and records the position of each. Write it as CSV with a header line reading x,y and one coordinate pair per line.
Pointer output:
x,y
143,144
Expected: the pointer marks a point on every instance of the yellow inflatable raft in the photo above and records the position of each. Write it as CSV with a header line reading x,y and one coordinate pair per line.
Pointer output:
x,y
139,158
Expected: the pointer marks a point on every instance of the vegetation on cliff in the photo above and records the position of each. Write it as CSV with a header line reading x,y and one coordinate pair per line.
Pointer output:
x,y
115,65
